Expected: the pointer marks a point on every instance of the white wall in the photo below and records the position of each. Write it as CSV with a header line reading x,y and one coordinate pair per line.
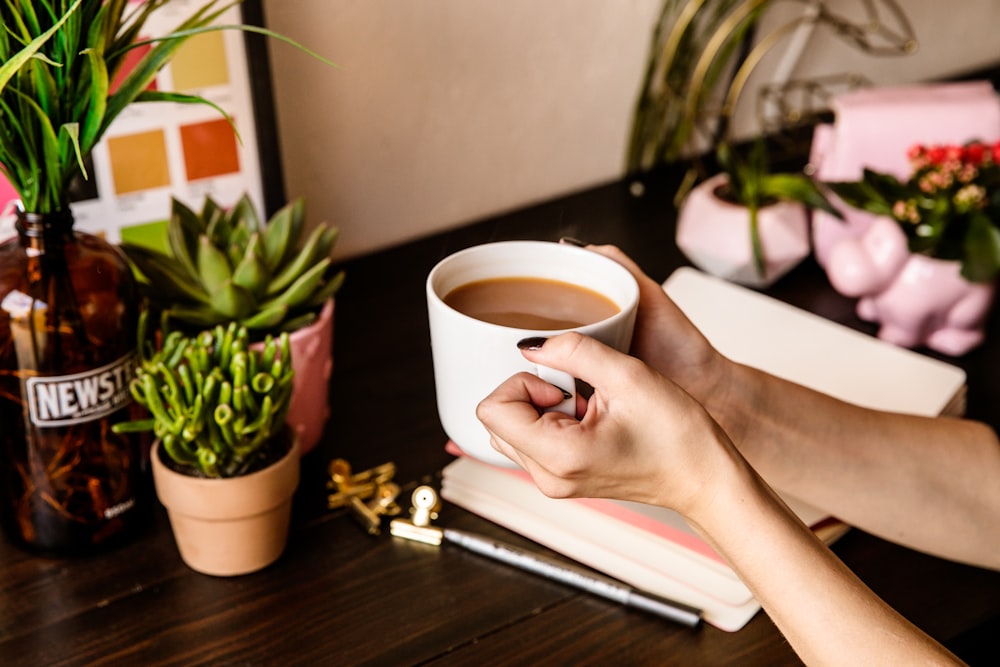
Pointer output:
x,y
446,111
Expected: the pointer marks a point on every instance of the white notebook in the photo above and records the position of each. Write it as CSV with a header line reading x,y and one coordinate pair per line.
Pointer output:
x,y
794,344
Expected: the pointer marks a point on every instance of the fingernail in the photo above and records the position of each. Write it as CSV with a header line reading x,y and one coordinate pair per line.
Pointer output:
x,y
569,240
531,343
566,394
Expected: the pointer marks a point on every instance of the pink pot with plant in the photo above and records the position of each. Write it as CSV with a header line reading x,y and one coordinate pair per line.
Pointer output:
x,y
926,267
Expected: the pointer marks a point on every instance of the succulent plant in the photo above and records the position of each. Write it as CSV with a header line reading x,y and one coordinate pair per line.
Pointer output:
x,y
226,265
215,403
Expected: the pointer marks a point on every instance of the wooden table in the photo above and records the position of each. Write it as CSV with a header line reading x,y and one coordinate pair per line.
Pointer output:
x,y
341,597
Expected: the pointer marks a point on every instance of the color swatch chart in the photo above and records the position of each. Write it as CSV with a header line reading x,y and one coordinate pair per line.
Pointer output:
x,y
155,151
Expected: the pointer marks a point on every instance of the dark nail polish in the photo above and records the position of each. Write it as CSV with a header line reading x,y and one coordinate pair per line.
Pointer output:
x,y
531,343
569,240
566,394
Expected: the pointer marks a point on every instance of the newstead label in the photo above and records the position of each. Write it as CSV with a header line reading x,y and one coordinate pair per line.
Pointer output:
x,y
63,400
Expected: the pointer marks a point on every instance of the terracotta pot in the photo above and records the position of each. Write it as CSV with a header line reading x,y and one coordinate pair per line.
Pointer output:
x,y
715,235
312,360
233,526
916,300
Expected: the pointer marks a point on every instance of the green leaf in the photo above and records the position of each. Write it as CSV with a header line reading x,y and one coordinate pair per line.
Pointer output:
x,y
183,98
279,235
246,215
211,212
303,288
799,188
310,253
213,266
166,281
12,66
97,100
251,273
72,130
327,291
861,195
50,152
183,230
982,250
232,301
196,316
268,318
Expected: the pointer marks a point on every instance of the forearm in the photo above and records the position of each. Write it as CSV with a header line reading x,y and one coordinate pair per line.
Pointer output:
x,y
929,483
827,614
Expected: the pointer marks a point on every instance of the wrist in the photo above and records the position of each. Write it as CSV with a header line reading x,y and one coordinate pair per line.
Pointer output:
x,y
740,504
731,398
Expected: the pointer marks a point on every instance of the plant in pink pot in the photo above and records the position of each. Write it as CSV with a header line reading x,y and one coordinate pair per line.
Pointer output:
x,y
228,264
747,224
926,268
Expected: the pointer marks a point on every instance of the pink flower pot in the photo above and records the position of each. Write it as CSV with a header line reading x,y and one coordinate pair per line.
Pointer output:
x,y
312,361
715,235
916,300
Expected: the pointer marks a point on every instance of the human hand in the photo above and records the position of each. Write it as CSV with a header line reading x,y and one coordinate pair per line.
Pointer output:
x,y
641,437
667,341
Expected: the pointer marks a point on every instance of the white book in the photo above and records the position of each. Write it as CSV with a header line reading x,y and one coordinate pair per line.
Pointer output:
x,y
653,548
794,344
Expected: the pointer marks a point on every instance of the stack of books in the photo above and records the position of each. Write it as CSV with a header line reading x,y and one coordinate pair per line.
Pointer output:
x,y
652,548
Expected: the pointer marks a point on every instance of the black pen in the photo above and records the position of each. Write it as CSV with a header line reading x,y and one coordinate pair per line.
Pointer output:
x,y
553,569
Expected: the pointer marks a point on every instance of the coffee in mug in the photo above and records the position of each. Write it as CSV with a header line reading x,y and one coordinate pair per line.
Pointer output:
x,y
531,303
482,300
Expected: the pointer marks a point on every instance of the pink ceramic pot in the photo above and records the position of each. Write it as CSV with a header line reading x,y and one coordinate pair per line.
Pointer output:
x,y
715,235
917,300
312,360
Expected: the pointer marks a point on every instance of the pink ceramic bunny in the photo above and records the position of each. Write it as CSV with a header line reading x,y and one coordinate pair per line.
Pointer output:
x,y
917,300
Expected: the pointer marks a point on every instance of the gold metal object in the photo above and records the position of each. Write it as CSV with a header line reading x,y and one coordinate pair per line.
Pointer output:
x,y
352,490
341,475
371,521
343,498
384,503
426,506
427,534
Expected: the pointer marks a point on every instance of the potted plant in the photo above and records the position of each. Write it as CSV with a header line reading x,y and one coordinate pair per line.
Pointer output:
x,y
926,267
226,265
747,224
225,464
701,59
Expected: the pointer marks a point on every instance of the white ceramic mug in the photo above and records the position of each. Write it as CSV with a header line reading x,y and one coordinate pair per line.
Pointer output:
x,y
472,357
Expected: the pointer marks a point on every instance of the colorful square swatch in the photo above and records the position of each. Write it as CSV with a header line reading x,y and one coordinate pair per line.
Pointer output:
x,y
210,149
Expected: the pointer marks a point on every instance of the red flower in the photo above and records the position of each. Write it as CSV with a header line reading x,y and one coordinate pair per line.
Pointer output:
x,y
974,154
937,154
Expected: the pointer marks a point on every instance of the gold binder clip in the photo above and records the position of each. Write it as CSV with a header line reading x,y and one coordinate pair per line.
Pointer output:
x,y
425,508
352,490
341,475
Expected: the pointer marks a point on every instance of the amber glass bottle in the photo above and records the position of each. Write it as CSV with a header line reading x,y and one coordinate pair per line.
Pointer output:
x,y
68,317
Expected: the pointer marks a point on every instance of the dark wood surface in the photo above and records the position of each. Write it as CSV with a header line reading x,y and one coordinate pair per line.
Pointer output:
x,y
341,597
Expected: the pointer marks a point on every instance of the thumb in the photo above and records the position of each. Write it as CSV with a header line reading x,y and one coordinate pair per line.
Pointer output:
x,y
582,357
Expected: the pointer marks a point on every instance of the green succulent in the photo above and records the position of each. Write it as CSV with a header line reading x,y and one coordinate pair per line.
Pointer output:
x,y
226,265
216,404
